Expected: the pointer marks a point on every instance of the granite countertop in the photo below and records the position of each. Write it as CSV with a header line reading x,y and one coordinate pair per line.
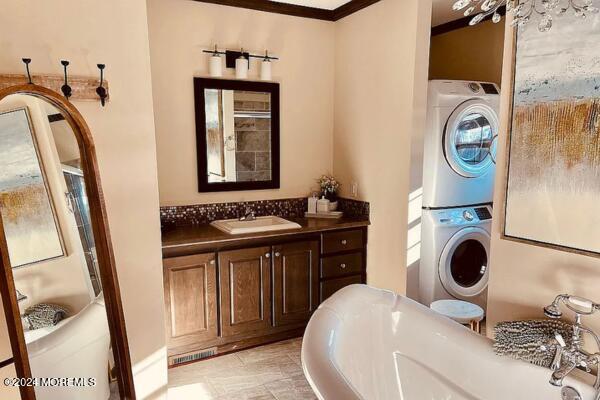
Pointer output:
x,y
195,236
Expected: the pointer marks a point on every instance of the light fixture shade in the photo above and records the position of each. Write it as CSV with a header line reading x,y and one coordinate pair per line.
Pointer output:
x,y
215,66
265,70
241,68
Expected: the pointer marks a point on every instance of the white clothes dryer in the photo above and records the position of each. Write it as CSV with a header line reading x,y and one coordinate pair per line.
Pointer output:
x,y
459,143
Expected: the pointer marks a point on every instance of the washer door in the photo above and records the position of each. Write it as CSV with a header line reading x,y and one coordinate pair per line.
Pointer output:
x,y
469,137
463,266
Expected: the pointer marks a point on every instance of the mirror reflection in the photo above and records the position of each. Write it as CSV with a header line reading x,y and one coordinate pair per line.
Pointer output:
x,y
47,223
238,135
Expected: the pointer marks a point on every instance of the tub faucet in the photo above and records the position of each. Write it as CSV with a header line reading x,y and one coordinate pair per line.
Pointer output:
x,y
567,358
249,215
20,296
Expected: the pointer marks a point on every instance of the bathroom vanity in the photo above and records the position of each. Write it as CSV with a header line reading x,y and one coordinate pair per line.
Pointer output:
x,y
228,292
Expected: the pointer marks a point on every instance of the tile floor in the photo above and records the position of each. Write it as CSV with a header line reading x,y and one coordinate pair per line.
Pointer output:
x,y
271,372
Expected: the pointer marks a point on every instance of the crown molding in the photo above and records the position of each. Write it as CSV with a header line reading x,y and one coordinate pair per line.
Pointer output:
x,y
461,23
296,10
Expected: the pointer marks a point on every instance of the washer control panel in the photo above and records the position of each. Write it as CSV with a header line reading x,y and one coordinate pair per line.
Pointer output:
x,y
463,216
468,215
483,213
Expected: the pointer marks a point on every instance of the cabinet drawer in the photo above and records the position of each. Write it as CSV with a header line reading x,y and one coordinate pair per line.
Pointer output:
x,y
333,285
342,241
344,264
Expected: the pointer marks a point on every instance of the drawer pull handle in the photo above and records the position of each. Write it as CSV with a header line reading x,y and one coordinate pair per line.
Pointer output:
x,y
212,262
344,242
268,255
277,254
343,266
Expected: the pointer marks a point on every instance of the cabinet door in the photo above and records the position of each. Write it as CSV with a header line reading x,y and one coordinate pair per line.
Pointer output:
x,y
245,281
295,282
190,286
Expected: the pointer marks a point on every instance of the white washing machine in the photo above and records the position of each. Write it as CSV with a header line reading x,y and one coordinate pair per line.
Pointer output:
x,y
459,143
455,254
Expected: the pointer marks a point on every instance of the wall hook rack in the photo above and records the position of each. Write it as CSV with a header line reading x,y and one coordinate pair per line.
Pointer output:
x,y
26,61
66,89
80,88
101,90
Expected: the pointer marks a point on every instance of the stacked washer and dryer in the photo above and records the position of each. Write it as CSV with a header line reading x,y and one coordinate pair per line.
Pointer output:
x,y
458,182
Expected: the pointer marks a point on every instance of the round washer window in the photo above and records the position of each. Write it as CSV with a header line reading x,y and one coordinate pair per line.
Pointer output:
x,y
473,138
469,138
469,263
463,264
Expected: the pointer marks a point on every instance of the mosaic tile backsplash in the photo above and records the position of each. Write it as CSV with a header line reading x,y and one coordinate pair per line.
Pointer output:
x,y
198,214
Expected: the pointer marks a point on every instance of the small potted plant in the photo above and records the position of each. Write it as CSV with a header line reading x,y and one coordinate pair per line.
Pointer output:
x,y
329,189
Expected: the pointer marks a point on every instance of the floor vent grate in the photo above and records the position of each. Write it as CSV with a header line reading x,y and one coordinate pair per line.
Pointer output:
x,y
193,357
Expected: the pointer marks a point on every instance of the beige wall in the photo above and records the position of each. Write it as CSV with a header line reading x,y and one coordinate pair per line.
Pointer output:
x,y
471,53
113,32
525,278
380,97
180,30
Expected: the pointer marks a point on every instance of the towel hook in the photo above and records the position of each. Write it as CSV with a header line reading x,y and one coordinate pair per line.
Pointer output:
x,y
26,61
66,89
101,90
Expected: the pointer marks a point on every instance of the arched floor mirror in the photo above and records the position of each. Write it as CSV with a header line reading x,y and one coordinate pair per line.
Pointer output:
x,y
60,291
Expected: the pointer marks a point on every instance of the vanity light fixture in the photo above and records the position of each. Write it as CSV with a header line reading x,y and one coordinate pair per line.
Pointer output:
x,y
265,68
523,10
66,89
231,61
241,66
27,61
215,64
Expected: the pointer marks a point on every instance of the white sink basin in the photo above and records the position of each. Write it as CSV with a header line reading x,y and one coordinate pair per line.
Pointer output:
x,y
260,224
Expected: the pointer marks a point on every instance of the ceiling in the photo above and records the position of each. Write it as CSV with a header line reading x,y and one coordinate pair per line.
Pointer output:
x,y
442,12
324,4
442,9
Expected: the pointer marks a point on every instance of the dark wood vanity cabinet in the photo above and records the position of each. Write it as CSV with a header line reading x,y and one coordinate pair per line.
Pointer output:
x,y
190,285
238,295
245,280
295,282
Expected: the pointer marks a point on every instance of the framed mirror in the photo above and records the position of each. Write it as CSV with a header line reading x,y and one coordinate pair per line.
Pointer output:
x,y
59,285
237,134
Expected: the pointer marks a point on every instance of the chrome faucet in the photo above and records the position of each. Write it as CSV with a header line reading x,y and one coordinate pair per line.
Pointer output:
x,y
20,296
249,215
567,358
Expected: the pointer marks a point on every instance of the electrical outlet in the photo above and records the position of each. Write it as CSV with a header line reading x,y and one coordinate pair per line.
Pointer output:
x,y
354,189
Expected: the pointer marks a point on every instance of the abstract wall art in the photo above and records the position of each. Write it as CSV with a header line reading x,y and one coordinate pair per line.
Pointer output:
x,y
553,181
30,225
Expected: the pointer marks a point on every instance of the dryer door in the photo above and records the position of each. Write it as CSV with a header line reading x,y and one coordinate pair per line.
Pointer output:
x,y
468,138
463,266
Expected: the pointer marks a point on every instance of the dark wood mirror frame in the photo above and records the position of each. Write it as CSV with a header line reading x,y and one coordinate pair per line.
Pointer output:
x,y
200,84
106,261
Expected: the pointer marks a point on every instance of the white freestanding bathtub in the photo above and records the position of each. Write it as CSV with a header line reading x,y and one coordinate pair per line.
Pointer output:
x,y
76,347
365,343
